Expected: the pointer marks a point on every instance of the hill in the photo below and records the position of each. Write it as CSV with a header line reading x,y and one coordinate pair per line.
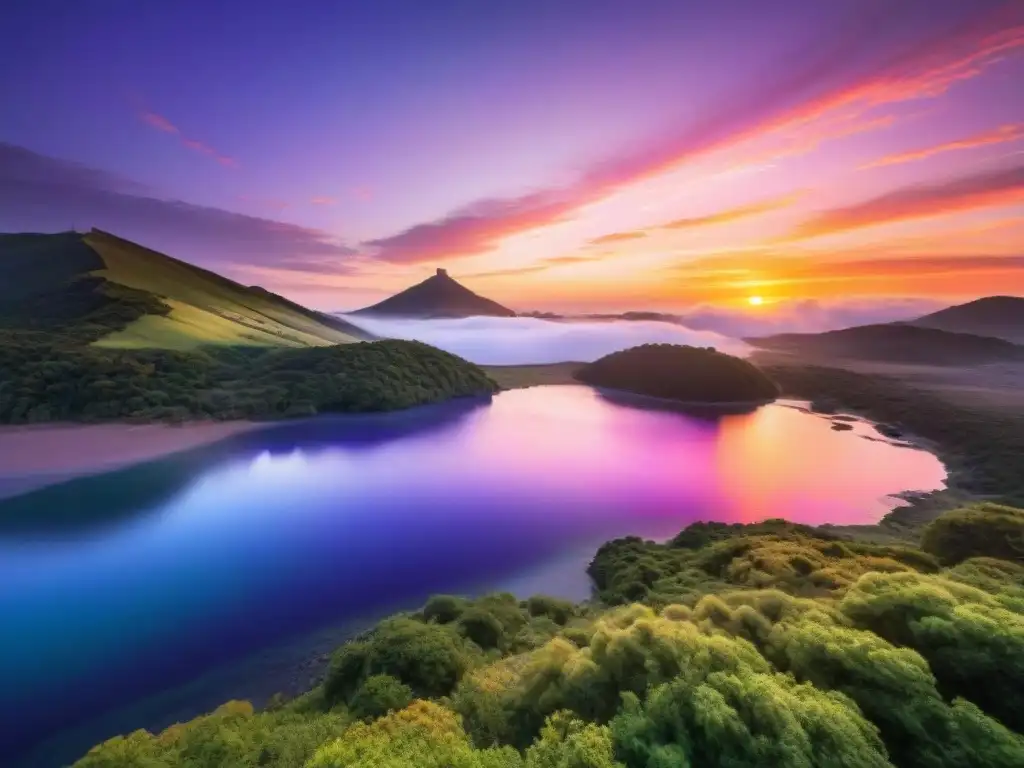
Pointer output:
x,y
114,293
42,381
895,342
999,316
681,373
439,296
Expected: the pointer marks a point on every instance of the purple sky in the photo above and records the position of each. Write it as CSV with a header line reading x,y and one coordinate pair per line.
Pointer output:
x,y
336,151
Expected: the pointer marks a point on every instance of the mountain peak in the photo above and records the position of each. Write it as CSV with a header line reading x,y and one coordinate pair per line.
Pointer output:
x,y
440,295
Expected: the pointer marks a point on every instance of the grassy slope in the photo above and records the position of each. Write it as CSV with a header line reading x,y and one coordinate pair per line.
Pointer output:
x,y
205,308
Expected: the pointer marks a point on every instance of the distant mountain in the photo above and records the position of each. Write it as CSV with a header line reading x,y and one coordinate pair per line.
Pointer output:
x,y
439,296
999,316
895,342
115,293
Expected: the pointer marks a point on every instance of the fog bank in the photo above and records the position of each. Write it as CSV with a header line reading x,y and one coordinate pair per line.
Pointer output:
x,y
525,340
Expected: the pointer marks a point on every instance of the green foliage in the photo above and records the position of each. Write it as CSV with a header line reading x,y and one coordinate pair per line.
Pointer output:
x,y
711,557
567,742
444,608
232,735
429,658
424,735
984,530
559,611
972,642
744,718
378,695
42,380
768,644
683,373
482,628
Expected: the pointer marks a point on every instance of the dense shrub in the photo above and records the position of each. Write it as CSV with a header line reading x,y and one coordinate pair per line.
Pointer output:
x,y
482,628
378,695
444,608
973,644
984,530
232,735
424,735
555,609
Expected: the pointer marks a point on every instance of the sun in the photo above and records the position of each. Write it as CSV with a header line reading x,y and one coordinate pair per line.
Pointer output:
x,y
755,301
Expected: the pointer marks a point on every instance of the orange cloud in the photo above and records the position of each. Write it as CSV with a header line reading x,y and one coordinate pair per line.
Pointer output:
x,y
323,200
734,214
618,237
983,190
1001,135
161,123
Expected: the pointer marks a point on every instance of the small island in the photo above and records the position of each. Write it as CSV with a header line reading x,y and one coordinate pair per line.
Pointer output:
x,y
682,374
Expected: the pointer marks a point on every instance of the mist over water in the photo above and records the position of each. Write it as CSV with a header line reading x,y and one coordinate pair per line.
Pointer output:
x,y
525,340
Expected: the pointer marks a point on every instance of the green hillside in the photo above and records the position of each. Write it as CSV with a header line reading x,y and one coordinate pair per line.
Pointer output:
x,y
114,293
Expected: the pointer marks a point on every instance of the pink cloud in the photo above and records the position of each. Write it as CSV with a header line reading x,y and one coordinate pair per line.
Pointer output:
x,y
323,200
965,193
1001,135
825,92
161,123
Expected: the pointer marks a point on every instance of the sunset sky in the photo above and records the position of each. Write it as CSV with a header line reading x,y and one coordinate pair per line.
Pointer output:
x,y
554,154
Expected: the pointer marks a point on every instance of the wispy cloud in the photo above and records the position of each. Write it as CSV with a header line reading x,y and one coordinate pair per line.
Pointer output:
x,y
1001,135
323,200
735,214
471,230
982,190
830,87
161,123
48,194
618,237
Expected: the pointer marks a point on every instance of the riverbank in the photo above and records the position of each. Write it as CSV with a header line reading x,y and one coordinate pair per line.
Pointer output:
x,y
35,456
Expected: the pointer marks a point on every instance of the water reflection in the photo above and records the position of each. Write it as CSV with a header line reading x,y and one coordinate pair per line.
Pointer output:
x,y
117,586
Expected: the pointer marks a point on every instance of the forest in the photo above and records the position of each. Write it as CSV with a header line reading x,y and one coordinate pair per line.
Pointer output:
x,y
729,645
43,379
682,373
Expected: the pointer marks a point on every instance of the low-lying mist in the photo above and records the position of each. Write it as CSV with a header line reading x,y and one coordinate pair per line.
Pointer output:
x,y
525,340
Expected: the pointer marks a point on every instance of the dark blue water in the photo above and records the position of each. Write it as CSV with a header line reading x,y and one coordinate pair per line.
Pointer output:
x,y
118,586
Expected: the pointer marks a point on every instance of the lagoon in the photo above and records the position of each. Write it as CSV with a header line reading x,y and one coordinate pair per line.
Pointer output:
x,y
118,586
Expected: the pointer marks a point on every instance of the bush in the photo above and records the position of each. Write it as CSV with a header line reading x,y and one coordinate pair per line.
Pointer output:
x,y
444,608
426,657
555,609
378,695
984,530
346,671
482,628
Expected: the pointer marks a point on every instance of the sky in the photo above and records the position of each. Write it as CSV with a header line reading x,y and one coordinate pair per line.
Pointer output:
x,y
560,156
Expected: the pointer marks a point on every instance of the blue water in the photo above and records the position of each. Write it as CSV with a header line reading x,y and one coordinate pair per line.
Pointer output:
x,y
119,586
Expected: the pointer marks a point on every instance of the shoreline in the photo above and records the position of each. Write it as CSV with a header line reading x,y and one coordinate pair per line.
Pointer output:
x,y
37,455
917,508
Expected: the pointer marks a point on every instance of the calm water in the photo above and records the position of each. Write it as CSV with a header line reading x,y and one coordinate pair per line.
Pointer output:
x,y
117,586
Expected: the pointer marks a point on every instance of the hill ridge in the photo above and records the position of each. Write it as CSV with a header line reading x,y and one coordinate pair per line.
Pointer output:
x,y
439,296
111,291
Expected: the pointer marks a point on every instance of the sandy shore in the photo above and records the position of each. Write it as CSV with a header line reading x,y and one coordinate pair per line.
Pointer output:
x,y
35,456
